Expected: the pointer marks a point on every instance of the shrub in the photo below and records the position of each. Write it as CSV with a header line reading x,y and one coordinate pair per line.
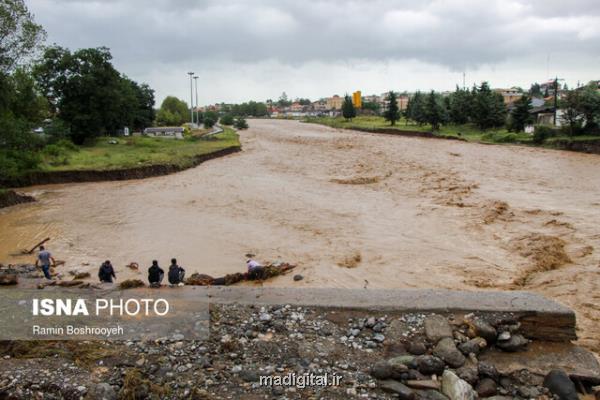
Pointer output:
x,y
210,119
227,119
241,123
541,133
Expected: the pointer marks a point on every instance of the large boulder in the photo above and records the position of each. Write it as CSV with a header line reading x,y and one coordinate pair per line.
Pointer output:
x,y
455,388
559,384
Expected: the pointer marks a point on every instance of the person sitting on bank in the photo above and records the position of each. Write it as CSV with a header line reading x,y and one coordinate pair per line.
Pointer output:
x,y
176,273
155,274
106,273
44,258
255,269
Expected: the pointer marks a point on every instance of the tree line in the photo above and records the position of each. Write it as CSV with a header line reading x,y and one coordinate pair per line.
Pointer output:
x,y
485,109
73,96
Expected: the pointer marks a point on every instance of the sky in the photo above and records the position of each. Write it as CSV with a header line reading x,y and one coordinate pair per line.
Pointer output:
x,y
255,50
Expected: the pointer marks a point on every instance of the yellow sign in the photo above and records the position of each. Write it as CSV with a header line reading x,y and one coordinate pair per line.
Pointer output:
x,y
357,99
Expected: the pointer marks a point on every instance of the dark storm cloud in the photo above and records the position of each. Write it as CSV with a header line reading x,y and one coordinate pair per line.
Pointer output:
x,y
453,33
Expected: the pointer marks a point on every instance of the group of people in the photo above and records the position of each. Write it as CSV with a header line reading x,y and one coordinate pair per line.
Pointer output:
x,y
156,274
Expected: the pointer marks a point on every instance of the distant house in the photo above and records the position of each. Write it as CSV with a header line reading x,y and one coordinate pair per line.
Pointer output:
x,y
165,131
334,102
509,95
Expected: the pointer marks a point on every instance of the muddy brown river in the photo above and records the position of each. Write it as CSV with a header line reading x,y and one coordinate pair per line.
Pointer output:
x,y
350,209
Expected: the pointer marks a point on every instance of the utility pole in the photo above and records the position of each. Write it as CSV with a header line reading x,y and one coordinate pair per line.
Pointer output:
x,y
197,112
191,74
556,79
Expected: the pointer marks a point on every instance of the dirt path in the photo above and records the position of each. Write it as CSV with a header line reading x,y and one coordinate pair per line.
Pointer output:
x,y
352,210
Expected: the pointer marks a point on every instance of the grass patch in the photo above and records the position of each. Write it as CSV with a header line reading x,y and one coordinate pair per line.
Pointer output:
x,y
137,151
468,132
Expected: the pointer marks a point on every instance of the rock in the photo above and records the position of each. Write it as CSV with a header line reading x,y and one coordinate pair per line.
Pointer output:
x,y
383,370
529,392
370,322
278,390
378,327
430,365
504,336
455,388
298,277
447,351
403,391
101,391
472,346
378,337
417,348
402,361
480,327
486,387
487,370
265,317
424,384
437,327
431,395
515,343
249,375
468,374
559,383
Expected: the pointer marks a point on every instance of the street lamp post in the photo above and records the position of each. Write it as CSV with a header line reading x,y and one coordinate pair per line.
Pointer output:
x,y
197,112
191,74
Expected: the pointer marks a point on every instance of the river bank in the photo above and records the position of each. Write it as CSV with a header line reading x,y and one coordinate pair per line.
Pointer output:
x,y
467,133
127,158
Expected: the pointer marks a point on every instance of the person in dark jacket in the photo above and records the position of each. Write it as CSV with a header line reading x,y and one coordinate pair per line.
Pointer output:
x,y
155,274
176,273
106,272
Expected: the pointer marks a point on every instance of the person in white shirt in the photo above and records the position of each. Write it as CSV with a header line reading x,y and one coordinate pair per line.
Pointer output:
x,y
255,270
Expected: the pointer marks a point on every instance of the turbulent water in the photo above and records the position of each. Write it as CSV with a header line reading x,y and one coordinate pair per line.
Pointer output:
x,y
351,209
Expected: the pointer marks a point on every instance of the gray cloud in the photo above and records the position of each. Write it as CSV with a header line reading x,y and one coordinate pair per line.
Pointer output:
x,y
453,34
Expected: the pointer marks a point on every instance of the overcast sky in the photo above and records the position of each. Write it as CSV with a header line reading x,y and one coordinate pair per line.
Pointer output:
x,y
245,50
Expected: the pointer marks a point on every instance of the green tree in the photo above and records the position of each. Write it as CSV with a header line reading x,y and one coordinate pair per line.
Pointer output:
x,y
210,119
227,119
520,115
392,112
488,107
86,92
20,36
434,111
240,123
283,100
572,114
173,111
371,105
589,105
348,110
417,109
459,108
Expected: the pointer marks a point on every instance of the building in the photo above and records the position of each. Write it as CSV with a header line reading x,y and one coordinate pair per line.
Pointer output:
x,y
165,131
357,99
334,102
320,105
509,95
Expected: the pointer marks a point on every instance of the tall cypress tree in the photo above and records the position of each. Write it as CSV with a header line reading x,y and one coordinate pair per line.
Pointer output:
x,y
392,113
434,112
520,115
348,110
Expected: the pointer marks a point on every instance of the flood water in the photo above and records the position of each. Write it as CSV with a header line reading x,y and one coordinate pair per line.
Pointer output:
x,y
350,209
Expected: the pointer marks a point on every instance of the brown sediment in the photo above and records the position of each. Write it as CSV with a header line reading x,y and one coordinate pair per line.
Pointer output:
x,y
357,180
351,261
545,253
494,211
52,177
